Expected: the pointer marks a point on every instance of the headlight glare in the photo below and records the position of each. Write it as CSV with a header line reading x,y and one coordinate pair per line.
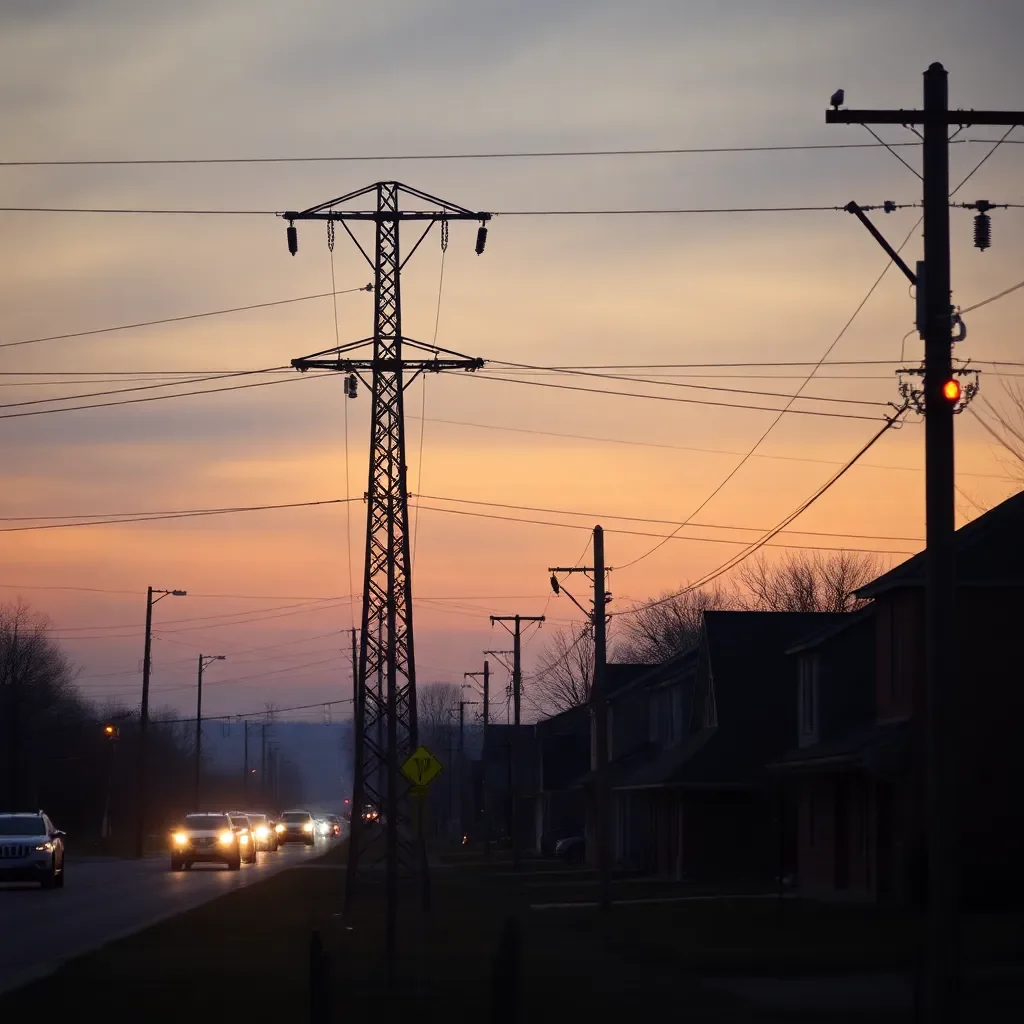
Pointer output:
x,y
46,847
180,839
308,827
279,828
227,838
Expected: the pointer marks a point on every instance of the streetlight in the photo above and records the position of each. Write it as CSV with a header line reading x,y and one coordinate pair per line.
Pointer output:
x,y
204,661
140,836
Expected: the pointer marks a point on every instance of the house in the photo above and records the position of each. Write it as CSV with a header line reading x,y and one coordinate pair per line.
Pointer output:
x,y
563,753
862,790
497,781
696,804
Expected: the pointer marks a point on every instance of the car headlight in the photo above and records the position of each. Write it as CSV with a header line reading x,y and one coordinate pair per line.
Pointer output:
x,y
244,838
279,829
180,839
262,832
46,847
227,838
308,827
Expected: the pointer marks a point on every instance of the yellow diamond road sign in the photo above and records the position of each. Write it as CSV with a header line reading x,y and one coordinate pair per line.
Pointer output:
x,y
422,767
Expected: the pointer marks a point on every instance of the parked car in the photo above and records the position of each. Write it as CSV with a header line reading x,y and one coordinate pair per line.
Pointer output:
x,y
208,838
31,850
246,838
572,849
263,831
296,827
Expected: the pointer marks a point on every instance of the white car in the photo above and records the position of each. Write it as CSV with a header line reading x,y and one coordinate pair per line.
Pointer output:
x,y
31,850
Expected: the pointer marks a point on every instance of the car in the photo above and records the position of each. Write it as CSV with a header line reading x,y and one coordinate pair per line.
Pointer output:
x,y
31,850
335,824
246,837
207,837
572,849
296,826
263,831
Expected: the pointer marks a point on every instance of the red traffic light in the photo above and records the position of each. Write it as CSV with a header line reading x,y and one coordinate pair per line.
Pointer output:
x,y
951,390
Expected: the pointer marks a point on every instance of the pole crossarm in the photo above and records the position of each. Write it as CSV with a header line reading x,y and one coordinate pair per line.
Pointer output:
x,y
965,118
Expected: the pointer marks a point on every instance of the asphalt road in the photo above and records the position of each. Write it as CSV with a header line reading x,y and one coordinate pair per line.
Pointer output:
x,y
106,899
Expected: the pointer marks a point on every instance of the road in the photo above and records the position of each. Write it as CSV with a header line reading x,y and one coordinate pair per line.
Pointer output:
x,y
106,899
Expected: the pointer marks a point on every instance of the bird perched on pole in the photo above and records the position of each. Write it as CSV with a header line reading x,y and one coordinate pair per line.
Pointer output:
x,y
837,99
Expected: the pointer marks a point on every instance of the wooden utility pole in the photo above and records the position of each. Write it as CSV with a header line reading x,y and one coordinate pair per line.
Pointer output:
x,y
941,399
515,752
599,705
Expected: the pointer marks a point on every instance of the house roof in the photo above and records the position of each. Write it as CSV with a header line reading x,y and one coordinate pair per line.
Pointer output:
x,y
569,721
864,746
817,638
988,553
752,679
620,675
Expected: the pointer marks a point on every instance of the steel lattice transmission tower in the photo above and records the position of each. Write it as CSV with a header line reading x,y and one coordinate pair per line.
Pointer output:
x,y
386,636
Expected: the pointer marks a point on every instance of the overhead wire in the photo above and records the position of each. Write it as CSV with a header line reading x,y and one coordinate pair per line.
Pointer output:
x,y
500,155
771,426
735,560
179,319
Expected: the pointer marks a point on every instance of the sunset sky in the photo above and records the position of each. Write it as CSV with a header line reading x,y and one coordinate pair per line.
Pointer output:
x,y
272,590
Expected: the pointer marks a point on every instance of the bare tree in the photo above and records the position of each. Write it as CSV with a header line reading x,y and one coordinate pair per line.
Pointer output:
x,y
807,582
566,671
436,705
658,632
1003,419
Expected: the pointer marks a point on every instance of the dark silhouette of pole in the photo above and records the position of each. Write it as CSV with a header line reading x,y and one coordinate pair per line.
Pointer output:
x,y
941,699
204,660
263,762
599,705
143,765
245,761
515,753
483,761
599,697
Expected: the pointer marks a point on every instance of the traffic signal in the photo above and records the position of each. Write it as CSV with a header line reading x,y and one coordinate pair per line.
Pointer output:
x,y
112,732
951,390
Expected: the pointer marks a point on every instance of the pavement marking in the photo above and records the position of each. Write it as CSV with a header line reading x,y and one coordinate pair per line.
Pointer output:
x,y
659,899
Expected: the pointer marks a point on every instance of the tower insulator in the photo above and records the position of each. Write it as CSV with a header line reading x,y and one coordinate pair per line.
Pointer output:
x,y
982,231
481,238
293,239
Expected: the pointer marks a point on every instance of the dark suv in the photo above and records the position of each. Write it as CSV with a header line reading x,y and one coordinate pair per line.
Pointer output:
x,y
31,850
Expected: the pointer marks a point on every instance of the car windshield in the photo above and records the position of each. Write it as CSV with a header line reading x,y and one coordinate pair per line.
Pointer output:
x,y
27,826
239,822
295,816
205,821
257,819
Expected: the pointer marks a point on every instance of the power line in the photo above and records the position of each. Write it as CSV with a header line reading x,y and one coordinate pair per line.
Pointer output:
x,y
765,540
782,412
147,517
504,155
497,213
187,316
678,384
660,522
673,398
663,538
159,398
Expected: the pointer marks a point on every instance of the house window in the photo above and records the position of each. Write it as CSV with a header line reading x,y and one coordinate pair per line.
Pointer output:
x,y
808,698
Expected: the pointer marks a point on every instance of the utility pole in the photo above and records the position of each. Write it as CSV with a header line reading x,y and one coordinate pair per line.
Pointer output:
x,y
204,661
483,755
517,685
599,703
939,402
143,766
263,762
387,582
245,762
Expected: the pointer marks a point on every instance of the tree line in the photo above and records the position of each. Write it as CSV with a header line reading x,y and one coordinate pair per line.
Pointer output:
x,y
57,754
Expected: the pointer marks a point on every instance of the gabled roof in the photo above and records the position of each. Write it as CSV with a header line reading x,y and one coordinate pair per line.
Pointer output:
x,y
846,621
988,552
618,676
